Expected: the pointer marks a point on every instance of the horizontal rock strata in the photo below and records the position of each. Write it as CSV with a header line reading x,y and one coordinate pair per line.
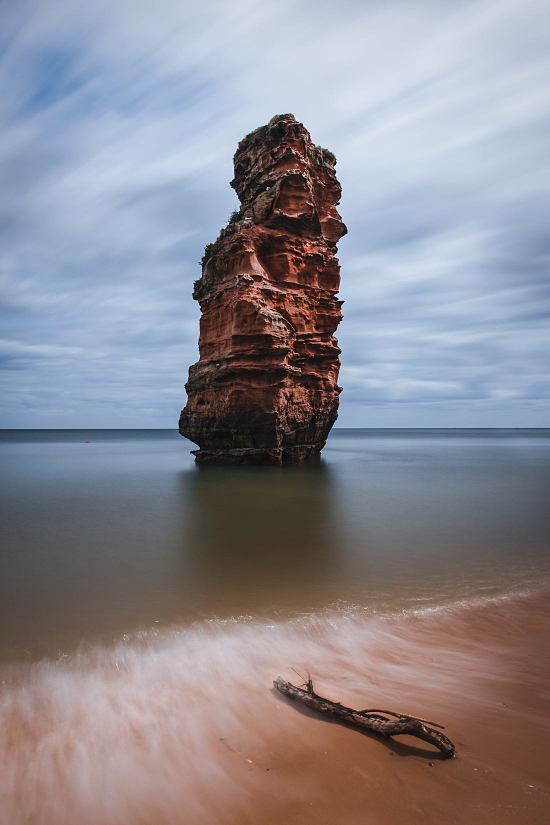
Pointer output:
x,y
265,389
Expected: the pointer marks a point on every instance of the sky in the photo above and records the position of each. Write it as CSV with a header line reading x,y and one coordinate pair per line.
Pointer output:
x,y
119,121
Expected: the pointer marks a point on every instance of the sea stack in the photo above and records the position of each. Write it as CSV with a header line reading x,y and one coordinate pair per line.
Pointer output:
x,y
265,389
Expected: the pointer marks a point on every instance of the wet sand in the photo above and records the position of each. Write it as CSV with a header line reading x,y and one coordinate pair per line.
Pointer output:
x,y
183,726
482,674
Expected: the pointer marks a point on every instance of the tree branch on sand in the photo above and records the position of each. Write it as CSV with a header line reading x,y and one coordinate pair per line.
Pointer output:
x,y
372,720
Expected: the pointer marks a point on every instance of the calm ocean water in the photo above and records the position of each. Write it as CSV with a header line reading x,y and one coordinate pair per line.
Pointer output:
x,y
111,532
147,605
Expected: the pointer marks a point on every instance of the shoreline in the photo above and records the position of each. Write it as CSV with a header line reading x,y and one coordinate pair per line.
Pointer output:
x,y
310,620
185,727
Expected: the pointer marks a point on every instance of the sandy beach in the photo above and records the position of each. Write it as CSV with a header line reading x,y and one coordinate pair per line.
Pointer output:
x,y
484,672
184,727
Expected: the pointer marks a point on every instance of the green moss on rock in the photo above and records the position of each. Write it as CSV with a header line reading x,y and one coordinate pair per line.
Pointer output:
x,y
259,131
276,118
210,250
322,157
238,214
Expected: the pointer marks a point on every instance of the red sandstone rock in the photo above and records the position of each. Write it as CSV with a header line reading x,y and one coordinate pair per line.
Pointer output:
x,y
265,388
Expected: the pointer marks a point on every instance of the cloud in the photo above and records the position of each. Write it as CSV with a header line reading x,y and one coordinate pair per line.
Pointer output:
x,y
119,122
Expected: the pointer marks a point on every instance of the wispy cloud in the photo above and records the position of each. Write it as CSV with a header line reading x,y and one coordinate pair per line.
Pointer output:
x,y
119,121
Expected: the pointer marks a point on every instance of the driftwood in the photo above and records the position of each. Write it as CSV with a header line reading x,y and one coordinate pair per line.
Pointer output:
x,y
372,720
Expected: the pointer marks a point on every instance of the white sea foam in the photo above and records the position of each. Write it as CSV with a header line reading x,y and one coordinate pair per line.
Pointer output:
x,y
143,730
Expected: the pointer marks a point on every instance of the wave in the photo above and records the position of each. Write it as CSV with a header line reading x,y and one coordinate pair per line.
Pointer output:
x,y
144,730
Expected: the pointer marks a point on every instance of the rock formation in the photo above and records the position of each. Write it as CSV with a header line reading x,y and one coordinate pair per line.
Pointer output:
x,y
265,390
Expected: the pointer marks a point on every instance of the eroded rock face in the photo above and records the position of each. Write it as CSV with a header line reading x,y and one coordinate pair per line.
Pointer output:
x,y
265,389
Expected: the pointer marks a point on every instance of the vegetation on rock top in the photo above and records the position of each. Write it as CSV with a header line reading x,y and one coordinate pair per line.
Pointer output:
x,y
275,118
272,122
322,156
210,250
238,214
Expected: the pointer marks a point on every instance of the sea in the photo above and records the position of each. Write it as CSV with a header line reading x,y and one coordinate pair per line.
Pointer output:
x,y
146,604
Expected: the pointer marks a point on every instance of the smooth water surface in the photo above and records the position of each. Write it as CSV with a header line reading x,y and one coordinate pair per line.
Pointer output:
x,y
106,532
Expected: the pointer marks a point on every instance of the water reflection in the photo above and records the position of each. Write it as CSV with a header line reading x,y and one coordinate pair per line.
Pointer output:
x,y
258,539
105,536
